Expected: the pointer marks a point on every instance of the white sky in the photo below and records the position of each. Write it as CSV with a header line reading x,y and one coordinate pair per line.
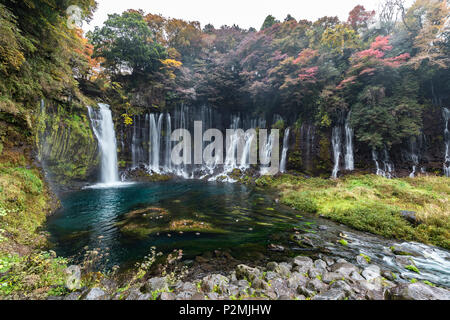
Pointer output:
x,y
244,13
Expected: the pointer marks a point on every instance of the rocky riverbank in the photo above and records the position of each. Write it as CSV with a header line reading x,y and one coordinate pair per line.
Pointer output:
x,y
299,278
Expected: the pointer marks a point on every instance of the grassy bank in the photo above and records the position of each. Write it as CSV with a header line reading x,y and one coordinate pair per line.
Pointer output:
x,y
25,270
372,203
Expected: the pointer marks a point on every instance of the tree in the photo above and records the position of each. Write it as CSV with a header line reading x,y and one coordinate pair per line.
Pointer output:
x,y
269,22
359,17
126,44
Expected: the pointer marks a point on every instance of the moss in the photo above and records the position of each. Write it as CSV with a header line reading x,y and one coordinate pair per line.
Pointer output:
x,y
412,268
372,203
367,258
65,143
343,242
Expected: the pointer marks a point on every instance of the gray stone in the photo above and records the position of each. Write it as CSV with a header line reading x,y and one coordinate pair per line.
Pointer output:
x,y
362,261
333,294
231,290
187,286
157,284
316,285
344,268
214,282
136,295
95,294
342,286
167,296
184,295
371,272
410,216
73,296
405,250
303,262
280,287
417,291
356,276
260,284
246,272
331,276
314,273
212,296
404,261
296,279
320,265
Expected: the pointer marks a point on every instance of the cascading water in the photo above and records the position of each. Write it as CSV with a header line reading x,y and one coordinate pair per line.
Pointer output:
x,y
267,152
388,167
446,114
285,150
103,128
349,154
155,142
168,160
414,156
231,159
337,150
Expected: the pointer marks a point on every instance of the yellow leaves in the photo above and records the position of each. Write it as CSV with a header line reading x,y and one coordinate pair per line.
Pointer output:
x,y
340,37
127,120
171,63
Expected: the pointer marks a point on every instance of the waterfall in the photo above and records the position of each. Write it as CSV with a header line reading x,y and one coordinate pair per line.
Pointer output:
x,y
267,152
245,160
168,161
414,156
388,167
231,159
337,150
285,151
349,154
446,114
155,142
103,128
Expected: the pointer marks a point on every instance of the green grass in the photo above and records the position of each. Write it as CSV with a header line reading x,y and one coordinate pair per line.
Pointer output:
x,y
372,203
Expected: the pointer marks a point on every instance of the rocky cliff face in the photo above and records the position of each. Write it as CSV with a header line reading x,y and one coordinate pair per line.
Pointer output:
x,y
66,145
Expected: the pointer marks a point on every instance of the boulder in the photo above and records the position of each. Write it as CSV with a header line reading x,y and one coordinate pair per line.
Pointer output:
x,y
167,296
316,285
371,272
410,216
333,294
417,291
343,268
246,272
96,294
157,284
214,282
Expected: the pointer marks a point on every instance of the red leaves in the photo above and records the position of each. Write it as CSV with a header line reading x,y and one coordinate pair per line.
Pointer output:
x,y
308,74
395,62
378,50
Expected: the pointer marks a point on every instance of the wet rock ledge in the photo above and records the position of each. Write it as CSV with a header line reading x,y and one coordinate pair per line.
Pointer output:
x,y
300,278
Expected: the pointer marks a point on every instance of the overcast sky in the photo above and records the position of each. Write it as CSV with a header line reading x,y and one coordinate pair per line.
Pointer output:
x,y
245,13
